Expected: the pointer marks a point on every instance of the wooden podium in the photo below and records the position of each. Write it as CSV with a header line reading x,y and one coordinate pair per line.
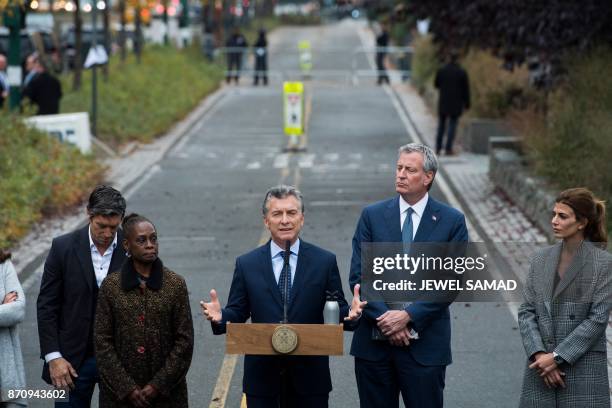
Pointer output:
x,y
312,339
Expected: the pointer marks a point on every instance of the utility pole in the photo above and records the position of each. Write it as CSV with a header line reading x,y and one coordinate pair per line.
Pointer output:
x,y
14,18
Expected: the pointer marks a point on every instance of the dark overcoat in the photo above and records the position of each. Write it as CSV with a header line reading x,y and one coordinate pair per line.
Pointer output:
x,y
453,84
143,335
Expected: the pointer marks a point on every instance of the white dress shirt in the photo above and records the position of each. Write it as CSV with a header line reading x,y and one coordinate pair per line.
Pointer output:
x,y
277,259
417,213
101,263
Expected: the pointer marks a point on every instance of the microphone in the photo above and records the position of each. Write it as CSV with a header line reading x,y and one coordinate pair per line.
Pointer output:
x,y
286,267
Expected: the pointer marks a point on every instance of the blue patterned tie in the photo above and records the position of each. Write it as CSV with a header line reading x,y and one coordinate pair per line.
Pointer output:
x,y
285,276
407,229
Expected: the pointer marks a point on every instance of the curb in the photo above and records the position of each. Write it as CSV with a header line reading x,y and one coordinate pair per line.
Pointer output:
x,y
162,145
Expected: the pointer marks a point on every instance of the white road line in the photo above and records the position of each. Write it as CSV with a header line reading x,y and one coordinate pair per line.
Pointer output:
x,y
281,161
306,161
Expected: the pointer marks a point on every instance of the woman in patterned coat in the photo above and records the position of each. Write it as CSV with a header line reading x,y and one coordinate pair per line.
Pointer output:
x,y
567,303
143,330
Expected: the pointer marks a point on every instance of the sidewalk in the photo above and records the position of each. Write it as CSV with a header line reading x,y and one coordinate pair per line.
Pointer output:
x,y
494,215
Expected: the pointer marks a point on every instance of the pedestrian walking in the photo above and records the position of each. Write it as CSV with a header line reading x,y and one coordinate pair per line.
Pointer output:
x,y
382,42
43,89
567,304
454,96
143,331
261,58
77,264
235,47
12,312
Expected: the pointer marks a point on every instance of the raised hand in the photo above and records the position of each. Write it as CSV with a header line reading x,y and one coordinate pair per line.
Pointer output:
x,y
212,309
356,305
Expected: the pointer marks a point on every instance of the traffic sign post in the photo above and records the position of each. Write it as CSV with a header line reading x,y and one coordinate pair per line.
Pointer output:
x,y
293,110
305,57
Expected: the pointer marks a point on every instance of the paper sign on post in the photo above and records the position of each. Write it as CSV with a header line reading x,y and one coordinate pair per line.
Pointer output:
x,y
293,96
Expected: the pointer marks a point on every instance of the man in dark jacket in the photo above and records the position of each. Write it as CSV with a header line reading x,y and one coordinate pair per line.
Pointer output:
x,y
382,42
453,83
261,58
235,46
76,265
44,90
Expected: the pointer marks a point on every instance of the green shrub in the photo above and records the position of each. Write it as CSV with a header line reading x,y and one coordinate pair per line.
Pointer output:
x,y
39,176
425,62
571,145
141,101
495,91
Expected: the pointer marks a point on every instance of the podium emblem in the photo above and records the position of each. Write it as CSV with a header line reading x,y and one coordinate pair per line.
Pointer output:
x,y
284,339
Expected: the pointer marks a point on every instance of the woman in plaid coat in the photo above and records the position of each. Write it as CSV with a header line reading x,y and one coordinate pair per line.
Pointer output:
x,y
143,330
567,304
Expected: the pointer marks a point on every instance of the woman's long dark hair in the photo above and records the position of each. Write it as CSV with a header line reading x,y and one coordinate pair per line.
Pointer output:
x,y
4,255
587,207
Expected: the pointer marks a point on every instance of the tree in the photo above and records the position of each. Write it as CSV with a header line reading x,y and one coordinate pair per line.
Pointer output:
x,y
517,30
78,44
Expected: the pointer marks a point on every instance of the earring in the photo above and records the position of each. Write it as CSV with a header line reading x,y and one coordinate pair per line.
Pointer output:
x,y
128,254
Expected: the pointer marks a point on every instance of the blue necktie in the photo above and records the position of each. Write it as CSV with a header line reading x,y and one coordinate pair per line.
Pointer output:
x,y
407,228
285,276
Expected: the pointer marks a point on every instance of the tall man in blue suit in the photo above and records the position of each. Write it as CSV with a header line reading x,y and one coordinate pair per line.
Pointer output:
x,y
256,293
407,348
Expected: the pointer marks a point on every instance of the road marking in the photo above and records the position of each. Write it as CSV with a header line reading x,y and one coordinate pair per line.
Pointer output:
x,y
281,161
306,161
338,203
162,239
253,165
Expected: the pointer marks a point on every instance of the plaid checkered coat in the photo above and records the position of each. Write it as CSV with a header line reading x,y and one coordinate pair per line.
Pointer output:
x,y
571,320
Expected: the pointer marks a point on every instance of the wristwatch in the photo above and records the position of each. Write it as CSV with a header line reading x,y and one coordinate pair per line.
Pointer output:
x,y
558,359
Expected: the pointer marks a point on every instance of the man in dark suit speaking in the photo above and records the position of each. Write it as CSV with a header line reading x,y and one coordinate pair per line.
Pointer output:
x,y
405,347
257,292
76,265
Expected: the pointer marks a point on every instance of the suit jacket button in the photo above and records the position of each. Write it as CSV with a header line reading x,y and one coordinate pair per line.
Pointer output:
x,y
140,349
572,317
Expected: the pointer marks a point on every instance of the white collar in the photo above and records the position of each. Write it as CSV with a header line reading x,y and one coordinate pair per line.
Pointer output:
x,y
93,246
418,207
275,249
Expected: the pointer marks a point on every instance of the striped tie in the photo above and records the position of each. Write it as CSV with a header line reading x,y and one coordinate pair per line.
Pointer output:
x,y
285,276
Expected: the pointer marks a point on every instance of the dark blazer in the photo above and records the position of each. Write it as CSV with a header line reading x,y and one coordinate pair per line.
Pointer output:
x,y
67,300
380,222
255,294
571,320
453,83
45,91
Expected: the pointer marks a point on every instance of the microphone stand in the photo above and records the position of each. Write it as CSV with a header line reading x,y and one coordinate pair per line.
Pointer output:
x,y
284,397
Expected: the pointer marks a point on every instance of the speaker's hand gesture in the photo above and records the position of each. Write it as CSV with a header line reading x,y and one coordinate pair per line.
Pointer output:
x,y
212,309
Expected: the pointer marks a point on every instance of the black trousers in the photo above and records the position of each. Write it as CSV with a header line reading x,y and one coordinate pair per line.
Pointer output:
x,y
452,128
380,66
261,70
379,383
234,65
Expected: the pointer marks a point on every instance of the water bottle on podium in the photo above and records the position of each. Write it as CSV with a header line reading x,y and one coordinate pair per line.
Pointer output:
x,y
331,311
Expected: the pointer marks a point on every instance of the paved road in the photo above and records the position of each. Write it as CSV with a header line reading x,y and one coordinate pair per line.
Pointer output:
x,y
205,198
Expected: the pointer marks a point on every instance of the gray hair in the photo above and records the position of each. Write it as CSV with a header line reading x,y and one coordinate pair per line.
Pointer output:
x,y
430,161
282,191
106,201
